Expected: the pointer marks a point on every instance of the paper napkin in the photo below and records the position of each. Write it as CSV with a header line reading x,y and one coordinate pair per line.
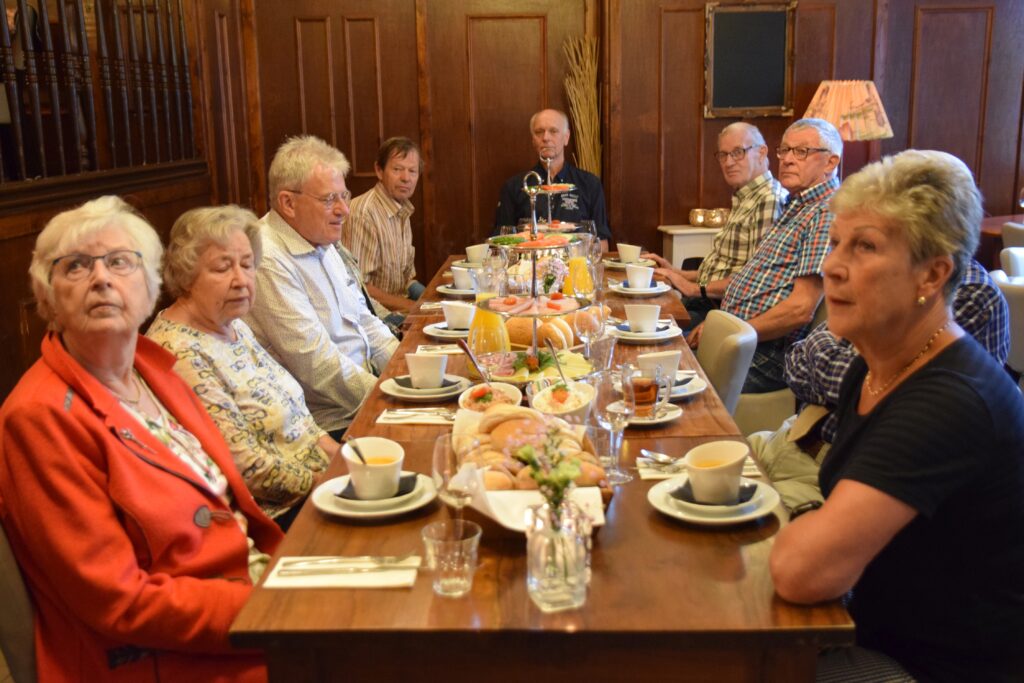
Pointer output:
x,y
649,470
391,418
392,578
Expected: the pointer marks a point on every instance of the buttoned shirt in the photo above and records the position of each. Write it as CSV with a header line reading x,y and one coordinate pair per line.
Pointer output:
x,y
379,234
585,202
794,247
755,207
815,366
311,316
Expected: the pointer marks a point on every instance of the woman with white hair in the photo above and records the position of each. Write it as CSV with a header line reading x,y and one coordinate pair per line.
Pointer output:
x,y
135,533
923,509
210,268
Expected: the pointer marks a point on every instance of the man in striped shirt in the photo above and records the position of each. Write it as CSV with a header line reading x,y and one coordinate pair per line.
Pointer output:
x,y
756,204
780,287
378,231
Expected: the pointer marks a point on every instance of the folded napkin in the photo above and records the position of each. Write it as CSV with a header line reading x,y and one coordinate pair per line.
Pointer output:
x,y
389,417
650,470
438,349
430,306
390,578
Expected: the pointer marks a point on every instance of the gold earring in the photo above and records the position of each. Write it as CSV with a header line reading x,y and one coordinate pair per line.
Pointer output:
x,y
921,301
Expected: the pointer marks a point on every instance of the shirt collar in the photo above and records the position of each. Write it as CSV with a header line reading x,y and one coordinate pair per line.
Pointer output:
x,y
394,208
754,185
290,239
560,177
815,191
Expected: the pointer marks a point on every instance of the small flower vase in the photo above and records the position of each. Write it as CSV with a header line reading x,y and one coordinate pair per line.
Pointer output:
x,y
557,556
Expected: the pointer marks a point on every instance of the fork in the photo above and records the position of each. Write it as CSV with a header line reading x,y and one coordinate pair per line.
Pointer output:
x,y
382,560
444,412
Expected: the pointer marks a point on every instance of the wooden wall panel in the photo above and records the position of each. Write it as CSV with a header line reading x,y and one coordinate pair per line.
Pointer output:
x,y
365,98
314,58
940,75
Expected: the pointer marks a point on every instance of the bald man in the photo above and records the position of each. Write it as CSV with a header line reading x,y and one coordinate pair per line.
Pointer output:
x,y
550,131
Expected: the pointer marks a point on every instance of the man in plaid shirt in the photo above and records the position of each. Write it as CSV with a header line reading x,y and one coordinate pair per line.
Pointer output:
x,y
779,289
756,204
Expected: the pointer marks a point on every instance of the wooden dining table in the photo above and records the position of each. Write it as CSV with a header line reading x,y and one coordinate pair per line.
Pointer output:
x,y
667,599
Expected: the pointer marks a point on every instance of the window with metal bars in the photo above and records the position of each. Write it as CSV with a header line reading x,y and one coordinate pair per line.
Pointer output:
x,y
92,85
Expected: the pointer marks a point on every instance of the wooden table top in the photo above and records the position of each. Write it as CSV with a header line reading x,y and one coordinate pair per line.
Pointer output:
x,y
664,593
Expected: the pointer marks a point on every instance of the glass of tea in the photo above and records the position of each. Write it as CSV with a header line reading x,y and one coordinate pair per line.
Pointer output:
x,y
642,387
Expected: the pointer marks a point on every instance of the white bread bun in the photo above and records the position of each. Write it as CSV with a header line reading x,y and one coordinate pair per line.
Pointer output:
x,y
524,481
556,333
511,435
590,474
496,414
564,326
520,331
498,480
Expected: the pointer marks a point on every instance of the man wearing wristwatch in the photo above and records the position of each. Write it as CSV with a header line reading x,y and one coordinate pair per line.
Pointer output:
x,y
756,204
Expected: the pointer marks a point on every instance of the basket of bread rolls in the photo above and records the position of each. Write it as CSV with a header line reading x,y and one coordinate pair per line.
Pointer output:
x,y
561,330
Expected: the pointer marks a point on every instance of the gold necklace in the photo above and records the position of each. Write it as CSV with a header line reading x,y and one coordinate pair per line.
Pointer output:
x,y
903,370
138,389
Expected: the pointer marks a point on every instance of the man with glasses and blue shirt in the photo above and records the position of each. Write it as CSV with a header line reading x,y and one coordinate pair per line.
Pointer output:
x,y
779,289
310,311
756,204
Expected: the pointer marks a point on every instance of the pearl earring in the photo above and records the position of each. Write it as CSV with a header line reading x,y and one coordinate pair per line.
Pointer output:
x,y
921,301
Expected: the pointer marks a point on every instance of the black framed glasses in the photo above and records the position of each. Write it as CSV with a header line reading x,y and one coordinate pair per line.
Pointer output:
x,y
73,267
737,154
329,201
800,153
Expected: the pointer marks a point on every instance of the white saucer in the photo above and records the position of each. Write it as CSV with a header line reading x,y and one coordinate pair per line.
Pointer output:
x,y
660,499
326,500
392,389
452,291
625,290
441,331
619,265
670,413
453,380
467,264
646,337
691,388
393,501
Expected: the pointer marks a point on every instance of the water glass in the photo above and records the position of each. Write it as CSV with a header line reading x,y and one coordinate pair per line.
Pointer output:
x,y
612,413
450,550
602,350
453,490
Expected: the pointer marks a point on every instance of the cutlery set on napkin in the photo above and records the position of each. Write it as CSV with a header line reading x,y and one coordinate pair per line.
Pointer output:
x,y
649,469
365,571
417,416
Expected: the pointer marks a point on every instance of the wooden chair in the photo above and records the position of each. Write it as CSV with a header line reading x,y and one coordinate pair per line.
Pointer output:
x,y
1013,290
17,618
1013,234
1012,261
726,349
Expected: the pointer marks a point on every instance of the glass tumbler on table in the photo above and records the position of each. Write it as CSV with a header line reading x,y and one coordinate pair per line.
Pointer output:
x,y
454,490
611,413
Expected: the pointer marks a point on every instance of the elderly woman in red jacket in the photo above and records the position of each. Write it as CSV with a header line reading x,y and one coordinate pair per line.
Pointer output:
x,y
134,530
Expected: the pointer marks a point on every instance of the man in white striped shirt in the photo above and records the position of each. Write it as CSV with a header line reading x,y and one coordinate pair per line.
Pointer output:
x,y
309,312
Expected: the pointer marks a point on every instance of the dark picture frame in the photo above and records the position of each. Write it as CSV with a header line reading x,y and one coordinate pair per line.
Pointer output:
x,y
748,59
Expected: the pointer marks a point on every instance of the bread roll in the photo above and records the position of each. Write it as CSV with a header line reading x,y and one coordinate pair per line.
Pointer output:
x,y
498,480
590,474
520,331
497,414
524,481
564,327
555,333
511,435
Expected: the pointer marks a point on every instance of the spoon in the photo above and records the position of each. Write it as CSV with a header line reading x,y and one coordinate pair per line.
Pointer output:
x,y
660,458
554,357
484,375
355,450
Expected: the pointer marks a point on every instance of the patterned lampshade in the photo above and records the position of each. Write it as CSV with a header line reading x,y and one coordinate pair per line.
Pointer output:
x,y
853,107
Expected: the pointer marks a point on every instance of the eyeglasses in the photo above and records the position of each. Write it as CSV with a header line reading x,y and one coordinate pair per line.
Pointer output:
x,y
737,154
78,266
800,153
331,200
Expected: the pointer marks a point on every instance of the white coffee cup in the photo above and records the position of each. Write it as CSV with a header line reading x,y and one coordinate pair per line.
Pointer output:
x,y
629,253
426,370
642,317
463,278
668,361
458,314
715,469
378,478
477,252
639,277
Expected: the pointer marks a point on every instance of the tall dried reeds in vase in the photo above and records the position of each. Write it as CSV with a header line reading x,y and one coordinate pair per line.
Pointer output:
x,y
581,88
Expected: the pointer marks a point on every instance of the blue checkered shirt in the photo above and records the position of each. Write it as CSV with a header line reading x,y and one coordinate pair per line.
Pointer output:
x,y
816,365
794,247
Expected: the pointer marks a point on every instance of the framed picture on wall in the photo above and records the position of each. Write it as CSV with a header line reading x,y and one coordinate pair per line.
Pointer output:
x,y
748,59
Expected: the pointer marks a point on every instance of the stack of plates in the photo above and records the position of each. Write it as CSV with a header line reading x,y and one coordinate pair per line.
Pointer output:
x,y
655,290
450,290
670,497
662,332
453,386
440,331
328,499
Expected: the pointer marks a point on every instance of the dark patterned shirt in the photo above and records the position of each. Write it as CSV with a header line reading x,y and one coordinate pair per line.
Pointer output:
x,y
755,207
815,366
794,247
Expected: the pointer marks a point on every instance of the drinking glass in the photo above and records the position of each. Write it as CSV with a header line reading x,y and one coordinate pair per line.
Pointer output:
x,y
589,324
590,227
454,490
611,413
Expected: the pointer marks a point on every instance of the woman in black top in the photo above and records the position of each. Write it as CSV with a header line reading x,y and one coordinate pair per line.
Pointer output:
x,y
924,515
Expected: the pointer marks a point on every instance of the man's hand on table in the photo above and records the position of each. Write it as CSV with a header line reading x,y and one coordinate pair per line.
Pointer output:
x,y
657,258
675,278
693,339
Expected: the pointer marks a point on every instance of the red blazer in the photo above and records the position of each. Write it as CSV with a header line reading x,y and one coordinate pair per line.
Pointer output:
x,y
135,567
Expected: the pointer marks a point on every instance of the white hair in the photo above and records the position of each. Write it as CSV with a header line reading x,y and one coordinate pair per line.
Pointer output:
x,y
297,158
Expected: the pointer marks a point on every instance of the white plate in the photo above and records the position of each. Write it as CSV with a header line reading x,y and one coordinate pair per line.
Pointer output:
x,y
670,413
326,501
646,338
392,389
621,288
691,388
381,504
466,264
433,391
451,291
619,265
659,498
441,331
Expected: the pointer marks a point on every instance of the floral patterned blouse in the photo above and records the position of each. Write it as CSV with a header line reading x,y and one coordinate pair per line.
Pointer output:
x,y
258,407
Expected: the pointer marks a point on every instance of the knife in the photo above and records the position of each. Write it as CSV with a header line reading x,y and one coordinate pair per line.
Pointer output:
x,y
313,571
